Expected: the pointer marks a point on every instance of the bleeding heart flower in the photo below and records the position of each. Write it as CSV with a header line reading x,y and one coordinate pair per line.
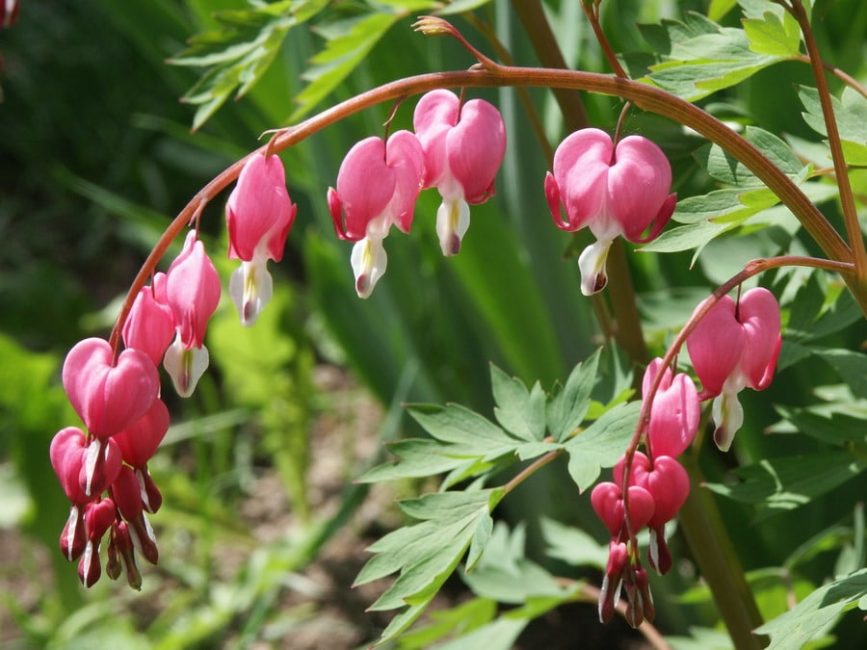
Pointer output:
x,y
377,186
139,441
259,215
614,191
98,516
668,484
607,501
150,324
108,395
463,147
193,291
735,346
675,413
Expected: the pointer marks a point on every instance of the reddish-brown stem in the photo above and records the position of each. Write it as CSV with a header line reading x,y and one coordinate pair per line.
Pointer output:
x,y
530,469
842,75
847,200
644,96
592,14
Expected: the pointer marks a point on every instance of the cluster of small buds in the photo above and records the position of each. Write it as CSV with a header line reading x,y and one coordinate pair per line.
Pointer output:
x,y
615,190
656,488
457,147
103,470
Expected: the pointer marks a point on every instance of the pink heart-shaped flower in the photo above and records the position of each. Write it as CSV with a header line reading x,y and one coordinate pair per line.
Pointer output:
x,y
139,441
109,396
607,500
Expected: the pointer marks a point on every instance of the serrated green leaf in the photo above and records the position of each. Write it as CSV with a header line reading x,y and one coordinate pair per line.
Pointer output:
x,y
687,237
816,613
468,431
447,506
850,112
415,458
519,411
461,619
602,444
837,428
341,55
567,409
786,483
772,35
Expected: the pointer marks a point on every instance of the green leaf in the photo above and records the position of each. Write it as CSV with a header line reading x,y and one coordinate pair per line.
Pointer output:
x,y
719,8
240,51
469,432
602,444
726,169
787,483
481,536
836,428
573,545
850,365
519,411
816,613
347,44
851,115
461,6
499,635
772,35
566,410
462,619
448,506
415,458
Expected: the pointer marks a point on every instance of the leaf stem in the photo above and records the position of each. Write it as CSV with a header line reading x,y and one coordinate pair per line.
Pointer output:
x,y
531,469
847,200
842,75
592,13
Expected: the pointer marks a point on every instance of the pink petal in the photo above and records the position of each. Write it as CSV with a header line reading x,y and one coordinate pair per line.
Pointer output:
x,y
605,498
259,209
67,456
759,313
404,155
193,291
435,114
638,184
715,346
641,507
150,325
668,484
650,375
365,185
109,397
139,441
581,166
475,148
674,417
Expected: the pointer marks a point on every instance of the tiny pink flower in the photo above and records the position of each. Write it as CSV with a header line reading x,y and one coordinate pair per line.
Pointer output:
x,y
377,186
193,292
150,325
614,191
98,517
735,346
463,147
668,483
108,395
259,215
120,544
675,413
127,494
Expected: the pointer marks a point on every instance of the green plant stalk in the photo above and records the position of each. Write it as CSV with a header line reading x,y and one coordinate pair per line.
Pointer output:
x,y
715,555
847,200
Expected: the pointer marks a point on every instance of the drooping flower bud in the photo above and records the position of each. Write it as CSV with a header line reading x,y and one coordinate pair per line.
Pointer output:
x,y
463,147
675,413
127,495
259,215
108,395
98,516
193,291
614,191
735,346
150,324
612,581
377,186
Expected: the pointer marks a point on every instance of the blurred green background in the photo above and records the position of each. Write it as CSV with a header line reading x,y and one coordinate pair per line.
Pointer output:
x,y
262,530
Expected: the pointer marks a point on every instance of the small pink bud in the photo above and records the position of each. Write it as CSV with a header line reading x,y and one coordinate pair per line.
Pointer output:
x,y
463,147
614,191
612,580
107,395
193,291
150,325
100,466
122,545
73,539
676,411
